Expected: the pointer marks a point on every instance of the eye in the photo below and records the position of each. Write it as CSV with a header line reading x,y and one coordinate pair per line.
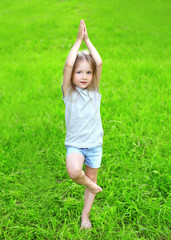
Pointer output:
x,y
78,72
89,72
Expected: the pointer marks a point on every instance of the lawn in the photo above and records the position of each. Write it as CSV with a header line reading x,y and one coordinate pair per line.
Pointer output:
x,y
38,199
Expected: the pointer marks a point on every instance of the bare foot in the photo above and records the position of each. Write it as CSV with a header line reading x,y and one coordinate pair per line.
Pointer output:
x,y
93,187
85,222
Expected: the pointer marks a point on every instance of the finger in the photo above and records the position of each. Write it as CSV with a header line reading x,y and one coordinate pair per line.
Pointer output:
x,y
81,23
81,28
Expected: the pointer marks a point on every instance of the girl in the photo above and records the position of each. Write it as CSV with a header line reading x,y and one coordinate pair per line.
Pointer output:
x,y
84,132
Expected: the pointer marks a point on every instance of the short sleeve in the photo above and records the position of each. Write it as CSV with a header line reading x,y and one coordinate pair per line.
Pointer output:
x,y
65,97
98,91
62,92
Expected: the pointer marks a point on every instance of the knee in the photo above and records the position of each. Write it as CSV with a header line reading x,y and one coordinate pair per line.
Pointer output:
x,y
74,173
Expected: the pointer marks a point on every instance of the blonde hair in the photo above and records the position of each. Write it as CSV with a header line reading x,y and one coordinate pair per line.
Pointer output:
x,y
85,56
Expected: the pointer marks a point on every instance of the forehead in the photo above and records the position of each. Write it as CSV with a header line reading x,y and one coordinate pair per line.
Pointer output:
x,y
84,65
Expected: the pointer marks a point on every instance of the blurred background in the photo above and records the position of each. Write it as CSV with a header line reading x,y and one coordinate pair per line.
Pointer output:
x,y
38,200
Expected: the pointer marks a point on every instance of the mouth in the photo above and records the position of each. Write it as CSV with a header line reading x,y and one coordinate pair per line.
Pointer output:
x,y
83,82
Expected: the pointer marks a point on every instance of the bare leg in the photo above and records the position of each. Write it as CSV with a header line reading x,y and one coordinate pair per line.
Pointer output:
x,y
88,198
74,163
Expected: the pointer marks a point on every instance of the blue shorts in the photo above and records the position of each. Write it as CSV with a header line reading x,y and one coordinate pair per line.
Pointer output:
x,y
92,155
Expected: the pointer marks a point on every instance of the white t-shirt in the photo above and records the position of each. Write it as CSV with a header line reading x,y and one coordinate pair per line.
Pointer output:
x,y
82,118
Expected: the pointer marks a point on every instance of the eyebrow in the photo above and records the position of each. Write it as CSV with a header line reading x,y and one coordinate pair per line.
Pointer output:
x,y
77,70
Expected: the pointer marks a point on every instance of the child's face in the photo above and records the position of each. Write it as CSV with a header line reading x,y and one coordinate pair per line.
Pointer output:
x,y
83,75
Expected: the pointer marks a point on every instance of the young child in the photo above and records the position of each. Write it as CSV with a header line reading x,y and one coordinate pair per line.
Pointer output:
x,y
84,132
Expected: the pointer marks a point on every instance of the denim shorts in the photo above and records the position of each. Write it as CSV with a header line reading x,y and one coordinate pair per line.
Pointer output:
x,y
92,156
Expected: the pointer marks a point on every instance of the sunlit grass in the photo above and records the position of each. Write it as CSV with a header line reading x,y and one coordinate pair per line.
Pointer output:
x,y
38,200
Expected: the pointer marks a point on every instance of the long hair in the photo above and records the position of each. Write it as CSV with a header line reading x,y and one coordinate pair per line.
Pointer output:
x,y
85,56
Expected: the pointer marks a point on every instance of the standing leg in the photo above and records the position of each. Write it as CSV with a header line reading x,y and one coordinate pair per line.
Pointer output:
x,y
88,198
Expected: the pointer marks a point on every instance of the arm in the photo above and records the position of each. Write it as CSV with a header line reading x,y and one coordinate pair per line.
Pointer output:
x,y
73,53
91,48
67,72
94,54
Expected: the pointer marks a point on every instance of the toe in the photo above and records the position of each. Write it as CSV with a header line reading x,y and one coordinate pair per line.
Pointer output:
x,y
86,225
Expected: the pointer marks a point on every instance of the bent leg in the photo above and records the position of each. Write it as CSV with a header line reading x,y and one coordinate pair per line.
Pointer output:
x,y
74,164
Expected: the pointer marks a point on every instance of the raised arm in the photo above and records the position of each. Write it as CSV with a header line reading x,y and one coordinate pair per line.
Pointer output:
x,y
67,72
93,53
73,53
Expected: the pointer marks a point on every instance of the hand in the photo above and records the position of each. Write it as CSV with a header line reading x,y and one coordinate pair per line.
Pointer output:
x,y
80,35
85,33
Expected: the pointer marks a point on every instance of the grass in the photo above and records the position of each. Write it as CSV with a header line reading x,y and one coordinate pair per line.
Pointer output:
x,y
38,200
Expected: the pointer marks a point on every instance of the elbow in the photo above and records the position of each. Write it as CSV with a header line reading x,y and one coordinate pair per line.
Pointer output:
x,y
99,64
68,64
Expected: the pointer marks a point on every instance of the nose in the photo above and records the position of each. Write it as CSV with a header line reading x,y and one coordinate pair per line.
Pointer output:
x,y
84,75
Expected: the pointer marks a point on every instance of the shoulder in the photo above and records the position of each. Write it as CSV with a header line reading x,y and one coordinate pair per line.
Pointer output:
x,y
65,90
96,92
70,96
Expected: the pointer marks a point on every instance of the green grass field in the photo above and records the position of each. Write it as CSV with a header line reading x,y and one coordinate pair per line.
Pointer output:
x,y
38,200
